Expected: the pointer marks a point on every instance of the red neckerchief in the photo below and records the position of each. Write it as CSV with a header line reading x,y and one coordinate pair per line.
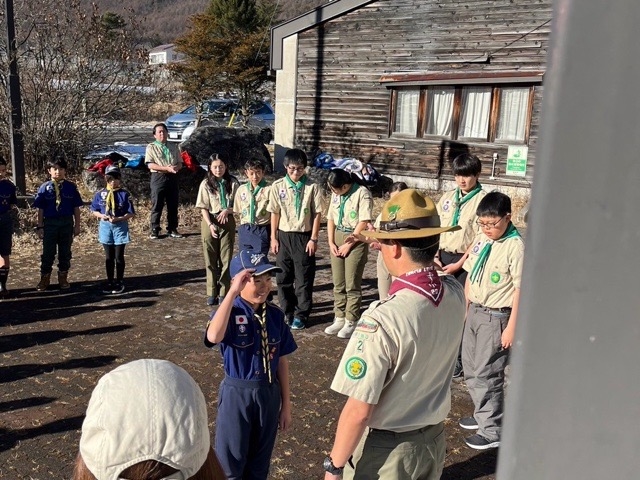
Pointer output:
x,y
424,281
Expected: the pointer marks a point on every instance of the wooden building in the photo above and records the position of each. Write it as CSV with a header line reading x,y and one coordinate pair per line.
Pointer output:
x,y
408,84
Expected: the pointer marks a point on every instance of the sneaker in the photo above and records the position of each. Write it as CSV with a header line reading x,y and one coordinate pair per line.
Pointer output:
x,y
211,301
155,235
335,327
45,280
458,371
297,324
347,330
118,287
478,442
468,423
175,234
107,287
288,320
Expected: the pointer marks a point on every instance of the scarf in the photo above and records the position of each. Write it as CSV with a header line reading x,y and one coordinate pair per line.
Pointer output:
x,y
424,281
223,193
298,190
478,268
111,201
343,201
252,201
458,202
166,153
57,186
261,317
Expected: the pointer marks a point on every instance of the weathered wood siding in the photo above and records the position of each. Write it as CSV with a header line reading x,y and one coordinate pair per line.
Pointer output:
x,y
342,108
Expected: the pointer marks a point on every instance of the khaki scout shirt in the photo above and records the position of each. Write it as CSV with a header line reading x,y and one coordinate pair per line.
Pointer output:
x,y
242,204
458,241
211,200
154,154
502,272
357,208
401,357
282,201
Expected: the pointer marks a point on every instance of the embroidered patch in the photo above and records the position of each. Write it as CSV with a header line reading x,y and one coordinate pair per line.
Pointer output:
x,y
242,328
256,258
243,196
476,247
356,368
103,195
495,277
446,205
283,193
263,212
306,210
368,326
241,320
353,215
336,198
244,212
393,211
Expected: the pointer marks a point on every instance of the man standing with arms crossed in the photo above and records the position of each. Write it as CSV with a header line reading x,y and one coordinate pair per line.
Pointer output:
x,y
164,182
397,367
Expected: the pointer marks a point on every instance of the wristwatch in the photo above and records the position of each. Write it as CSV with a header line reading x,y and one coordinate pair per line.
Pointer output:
x,y
331,468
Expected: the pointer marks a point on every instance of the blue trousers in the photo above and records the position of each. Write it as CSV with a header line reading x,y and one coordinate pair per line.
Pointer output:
x,y
246,427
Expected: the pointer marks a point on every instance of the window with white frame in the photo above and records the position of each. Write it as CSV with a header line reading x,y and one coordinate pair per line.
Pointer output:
x,y
479,113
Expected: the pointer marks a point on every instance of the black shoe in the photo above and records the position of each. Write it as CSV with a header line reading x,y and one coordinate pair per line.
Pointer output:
x,y
175,234
107,287
118,287
458,371
155,235
468,423
4,293
478,442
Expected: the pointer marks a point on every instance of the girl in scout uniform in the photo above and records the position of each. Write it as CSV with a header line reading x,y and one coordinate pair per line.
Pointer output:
x,y
349,213
251,203
8,200
218,227
112,205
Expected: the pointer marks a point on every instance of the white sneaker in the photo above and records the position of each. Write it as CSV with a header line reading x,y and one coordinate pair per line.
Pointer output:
x,y
347,330
335,327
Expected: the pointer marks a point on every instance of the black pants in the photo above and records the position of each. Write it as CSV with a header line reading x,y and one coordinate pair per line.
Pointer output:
x,y
114,259
295,282
58,237
164,189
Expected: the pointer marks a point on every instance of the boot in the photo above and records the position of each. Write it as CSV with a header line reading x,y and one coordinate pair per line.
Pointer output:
x,y
4,274
63,283
335,327
347,330
45,280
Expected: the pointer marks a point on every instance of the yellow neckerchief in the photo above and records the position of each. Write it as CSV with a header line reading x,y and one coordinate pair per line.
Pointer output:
x,y
111,200
56,187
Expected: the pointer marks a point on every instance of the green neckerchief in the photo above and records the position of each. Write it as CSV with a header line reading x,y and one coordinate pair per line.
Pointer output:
x,y
252,201
478,268
223,193
298,189
458,202
166,153
343,201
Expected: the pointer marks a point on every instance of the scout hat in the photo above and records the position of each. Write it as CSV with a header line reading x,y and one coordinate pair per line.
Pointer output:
x,y
250,259
409,214
145,410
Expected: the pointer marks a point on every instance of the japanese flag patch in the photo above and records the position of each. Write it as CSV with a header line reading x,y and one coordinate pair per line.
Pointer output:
x,y
241,320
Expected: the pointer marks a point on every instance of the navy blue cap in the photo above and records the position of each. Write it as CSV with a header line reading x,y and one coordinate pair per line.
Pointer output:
x,y
254,260
112,169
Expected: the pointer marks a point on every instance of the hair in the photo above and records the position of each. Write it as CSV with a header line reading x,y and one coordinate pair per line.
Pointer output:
x,y
296,156
163,125
398,187
154,470
494,204
466,165
420,250
109,177
339,177
212,182
254,164
3,161
57,161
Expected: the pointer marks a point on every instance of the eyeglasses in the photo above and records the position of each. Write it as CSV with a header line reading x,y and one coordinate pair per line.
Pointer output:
x,y
490,224
291,168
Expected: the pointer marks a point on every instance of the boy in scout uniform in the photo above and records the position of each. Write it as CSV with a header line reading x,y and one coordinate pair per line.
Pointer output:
x,y
251,203
296,205
396,369
350,210
493,292
8,200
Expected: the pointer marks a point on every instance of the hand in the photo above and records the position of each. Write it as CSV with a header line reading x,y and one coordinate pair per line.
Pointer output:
x,y
76,230
375,246
451,268
311,248
344,249
239,281
275,246
353,238
284,420
172,169
334,249
507,337
213,229
222,216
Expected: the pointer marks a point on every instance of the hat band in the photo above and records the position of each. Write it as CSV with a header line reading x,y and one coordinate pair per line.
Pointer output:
x,y
411,224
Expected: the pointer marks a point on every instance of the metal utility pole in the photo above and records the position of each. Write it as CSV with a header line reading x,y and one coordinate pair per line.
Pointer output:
x,y
15,124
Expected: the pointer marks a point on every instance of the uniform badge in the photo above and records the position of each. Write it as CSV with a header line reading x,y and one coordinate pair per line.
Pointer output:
x,y
256,258
306,210
476,248
356,368
353,215
393,212
283,194
243,196
242,328
241,320
368,326
336,198
446,205
103,195
495,277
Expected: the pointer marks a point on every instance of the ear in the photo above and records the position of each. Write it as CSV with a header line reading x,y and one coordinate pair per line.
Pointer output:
x,y
396,249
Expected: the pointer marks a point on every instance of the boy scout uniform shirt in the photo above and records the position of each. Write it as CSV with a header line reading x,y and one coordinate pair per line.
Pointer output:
x,y
282,202
7,196
122,201
401,357
154,154
241,347
502,272
357,208
69,199
211,200
458,241
242,205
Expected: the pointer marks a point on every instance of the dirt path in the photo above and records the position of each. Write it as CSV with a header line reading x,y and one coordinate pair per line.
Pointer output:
x,y
55,345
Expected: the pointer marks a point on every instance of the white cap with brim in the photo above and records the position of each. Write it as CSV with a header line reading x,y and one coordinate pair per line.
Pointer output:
x,y
145,410
248,259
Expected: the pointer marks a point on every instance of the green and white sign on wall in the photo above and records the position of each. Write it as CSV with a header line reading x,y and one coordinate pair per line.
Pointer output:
x,y
517,161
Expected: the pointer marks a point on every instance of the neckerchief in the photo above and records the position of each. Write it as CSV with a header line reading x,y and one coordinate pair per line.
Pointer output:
x,y
111,201
261,317
478,268
223,193
458,202
424,281
343,201
166,153
298,190
252,201
57,186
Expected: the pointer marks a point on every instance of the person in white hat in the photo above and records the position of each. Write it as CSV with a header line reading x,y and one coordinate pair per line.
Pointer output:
x,y
146,420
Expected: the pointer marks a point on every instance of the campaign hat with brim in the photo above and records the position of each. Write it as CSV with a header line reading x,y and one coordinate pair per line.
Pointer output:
x,y
254,260
409,214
